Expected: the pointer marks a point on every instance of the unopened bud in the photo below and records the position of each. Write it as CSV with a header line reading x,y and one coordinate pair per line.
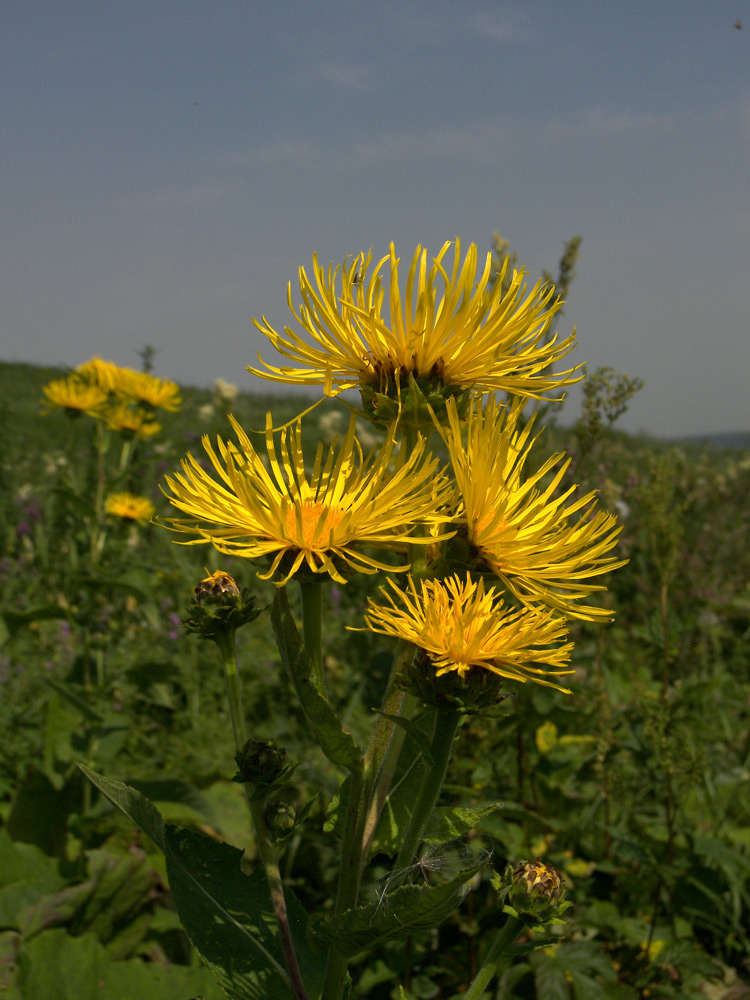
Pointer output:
x,y
281,819
534,892
217,585
219,606
261,764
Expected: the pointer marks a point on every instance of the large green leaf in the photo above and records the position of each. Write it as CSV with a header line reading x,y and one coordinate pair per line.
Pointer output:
x,y
404,911
227,915
26,873
56,966
336,743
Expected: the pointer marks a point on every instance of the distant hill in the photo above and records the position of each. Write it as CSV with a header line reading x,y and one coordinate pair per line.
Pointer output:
x,y
731,440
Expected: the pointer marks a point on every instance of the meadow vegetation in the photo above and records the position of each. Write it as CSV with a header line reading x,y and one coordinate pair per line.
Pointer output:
x,y
637,786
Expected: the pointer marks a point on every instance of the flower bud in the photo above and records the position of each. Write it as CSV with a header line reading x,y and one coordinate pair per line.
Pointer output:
x,y
261,764
219,606
475,691
534,892
217,586
281,819
413,402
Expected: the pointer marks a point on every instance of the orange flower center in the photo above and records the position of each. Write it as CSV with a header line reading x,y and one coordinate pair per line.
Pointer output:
x,y
312,513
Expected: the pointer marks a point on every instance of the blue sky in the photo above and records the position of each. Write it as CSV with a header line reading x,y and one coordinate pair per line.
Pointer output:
x,y
167,166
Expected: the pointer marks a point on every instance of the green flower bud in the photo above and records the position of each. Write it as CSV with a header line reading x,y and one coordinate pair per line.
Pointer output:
x,y
534,892
281,819
412,400
261,764
216,588
219,606
476,690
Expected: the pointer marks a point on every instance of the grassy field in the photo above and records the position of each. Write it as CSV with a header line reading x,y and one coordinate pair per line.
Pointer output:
x,y
637,786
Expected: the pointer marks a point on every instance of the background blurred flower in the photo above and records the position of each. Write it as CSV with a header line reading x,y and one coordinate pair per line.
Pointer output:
x,y
130,507
75,396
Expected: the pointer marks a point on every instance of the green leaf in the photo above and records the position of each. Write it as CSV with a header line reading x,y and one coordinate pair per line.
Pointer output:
x,y
68,694
26,873
404,790
418,735
83,506
227,915
137,808
404,911
100,583
447,824
16,620
335,742
56,965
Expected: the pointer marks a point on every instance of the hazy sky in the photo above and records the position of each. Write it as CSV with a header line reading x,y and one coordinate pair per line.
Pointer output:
x,y
167,165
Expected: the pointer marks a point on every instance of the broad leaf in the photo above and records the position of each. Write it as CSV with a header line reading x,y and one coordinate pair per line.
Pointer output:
x,y
227,915
404,911
56,965
447,824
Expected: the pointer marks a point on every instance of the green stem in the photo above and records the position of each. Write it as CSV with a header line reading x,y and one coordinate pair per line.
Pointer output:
x,y
500,947
447,722
385,747
349,878
312,616
226,643
269,855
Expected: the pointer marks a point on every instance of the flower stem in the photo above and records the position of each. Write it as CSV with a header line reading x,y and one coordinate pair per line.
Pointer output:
x,y
500,947
226,643
312,616
349,878
447,722
383,753
269,854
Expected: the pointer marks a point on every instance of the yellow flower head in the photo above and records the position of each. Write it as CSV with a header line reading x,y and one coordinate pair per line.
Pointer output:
x,y
452,330
130,507
464,628
319,520
107,375
149,390
124,418
75,396
541,546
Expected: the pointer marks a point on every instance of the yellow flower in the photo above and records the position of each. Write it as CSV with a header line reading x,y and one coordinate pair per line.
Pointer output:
x,y
472,337
124,418
541,546
462,628
75,396
150,390
107,375
319,520
130,507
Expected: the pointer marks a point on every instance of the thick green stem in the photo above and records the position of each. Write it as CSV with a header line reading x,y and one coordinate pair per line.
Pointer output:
x,y
447,722
226,643
312,617
500,948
